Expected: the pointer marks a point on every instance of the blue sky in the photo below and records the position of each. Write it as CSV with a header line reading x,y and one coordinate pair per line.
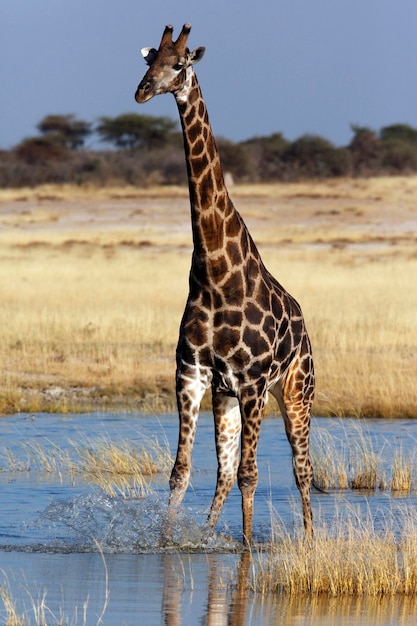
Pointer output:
x,y
290,66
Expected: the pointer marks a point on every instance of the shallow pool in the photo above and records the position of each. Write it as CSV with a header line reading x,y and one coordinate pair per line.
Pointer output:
x,y
69,548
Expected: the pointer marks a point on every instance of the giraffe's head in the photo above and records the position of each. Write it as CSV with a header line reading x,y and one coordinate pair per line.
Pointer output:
x,y
168,66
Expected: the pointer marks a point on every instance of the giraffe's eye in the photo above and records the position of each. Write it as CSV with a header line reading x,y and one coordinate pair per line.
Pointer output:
x,y
178,66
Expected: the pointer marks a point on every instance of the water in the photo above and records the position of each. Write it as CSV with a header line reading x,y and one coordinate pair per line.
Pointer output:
x,y
82,554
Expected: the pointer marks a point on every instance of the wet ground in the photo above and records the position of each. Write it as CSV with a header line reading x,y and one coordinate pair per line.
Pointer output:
x,y
91,558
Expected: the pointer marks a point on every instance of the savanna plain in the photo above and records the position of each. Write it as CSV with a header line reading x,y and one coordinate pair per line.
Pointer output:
x,y
93,285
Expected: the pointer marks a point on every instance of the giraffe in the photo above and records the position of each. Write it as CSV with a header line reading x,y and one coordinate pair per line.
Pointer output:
x,y
241,332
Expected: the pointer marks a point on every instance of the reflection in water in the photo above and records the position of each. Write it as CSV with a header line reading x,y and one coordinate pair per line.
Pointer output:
x,y
226,605
217,594
364,611
172,591
178,589
227,599
231,603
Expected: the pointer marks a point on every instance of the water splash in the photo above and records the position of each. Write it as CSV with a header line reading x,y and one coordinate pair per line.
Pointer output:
x,y
123,526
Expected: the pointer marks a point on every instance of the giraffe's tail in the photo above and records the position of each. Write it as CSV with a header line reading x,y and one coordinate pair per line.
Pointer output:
x,y
317,488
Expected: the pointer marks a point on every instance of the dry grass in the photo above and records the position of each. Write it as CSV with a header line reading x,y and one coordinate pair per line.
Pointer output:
x,y
43,615
80,331
402,474
94,283
52,193
348,558
364,338
50,460
12,617
330,458
351,462
123,469
120,469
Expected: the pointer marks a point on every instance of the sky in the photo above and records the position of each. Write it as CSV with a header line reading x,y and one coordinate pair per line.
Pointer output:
x,y
289,66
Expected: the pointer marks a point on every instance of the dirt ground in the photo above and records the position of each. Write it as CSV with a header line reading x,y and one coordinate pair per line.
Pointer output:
x,y
379,210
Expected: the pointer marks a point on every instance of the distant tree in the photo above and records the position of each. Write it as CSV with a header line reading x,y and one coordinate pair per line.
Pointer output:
x,y
275,144
399,148
366,150
399,132
234,158
65,130
312,155
137,131
40,150
267,156
399,157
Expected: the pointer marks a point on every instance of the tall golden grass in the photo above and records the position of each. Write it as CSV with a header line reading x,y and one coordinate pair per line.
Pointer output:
x,y
350,557
123,469
350,461
120,469
94,282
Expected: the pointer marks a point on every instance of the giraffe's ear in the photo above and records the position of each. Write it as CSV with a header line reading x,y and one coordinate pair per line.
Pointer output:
x,y
149,55
196,55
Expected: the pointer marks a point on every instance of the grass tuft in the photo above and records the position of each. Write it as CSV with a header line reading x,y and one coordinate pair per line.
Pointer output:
x,y
12,617
351,462
402,474
123,469
120,469
349,558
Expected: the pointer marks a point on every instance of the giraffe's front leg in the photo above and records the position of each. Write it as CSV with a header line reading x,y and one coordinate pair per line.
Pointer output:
x,y
189,394
228,425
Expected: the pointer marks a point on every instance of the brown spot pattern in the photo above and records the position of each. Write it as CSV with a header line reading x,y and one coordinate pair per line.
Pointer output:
x,y
241,331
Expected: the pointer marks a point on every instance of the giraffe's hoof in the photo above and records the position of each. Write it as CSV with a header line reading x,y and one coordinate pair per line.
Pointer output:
x,y
207,535
167,535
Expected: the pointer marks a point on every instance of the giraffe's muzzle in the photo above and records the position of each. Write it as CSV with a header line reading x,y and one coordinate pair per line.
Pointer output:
x,y
143,92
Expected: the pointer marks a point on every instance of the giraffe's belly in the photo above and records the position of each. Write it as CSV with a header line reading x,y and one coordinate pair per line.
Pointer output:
x,y
226,382
232,374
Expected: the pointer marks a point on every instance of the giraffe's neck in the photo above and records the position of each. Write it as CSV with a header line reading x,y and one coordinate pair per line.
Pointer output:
x,y
212,212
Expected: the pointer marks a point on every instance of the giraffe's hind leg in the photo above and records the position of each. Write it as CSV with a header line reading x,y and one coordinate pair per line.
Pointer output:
x,y
295,397
228,425
252,403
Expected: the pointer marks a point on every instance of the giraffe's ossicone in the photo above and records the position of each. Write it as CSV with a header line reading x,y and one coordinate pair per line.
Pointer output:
x,y
241,332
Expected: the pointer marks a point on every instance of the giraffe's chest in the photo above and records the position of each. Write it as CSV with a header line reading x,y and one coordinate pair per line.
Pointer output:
x,y
233,364
233,346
